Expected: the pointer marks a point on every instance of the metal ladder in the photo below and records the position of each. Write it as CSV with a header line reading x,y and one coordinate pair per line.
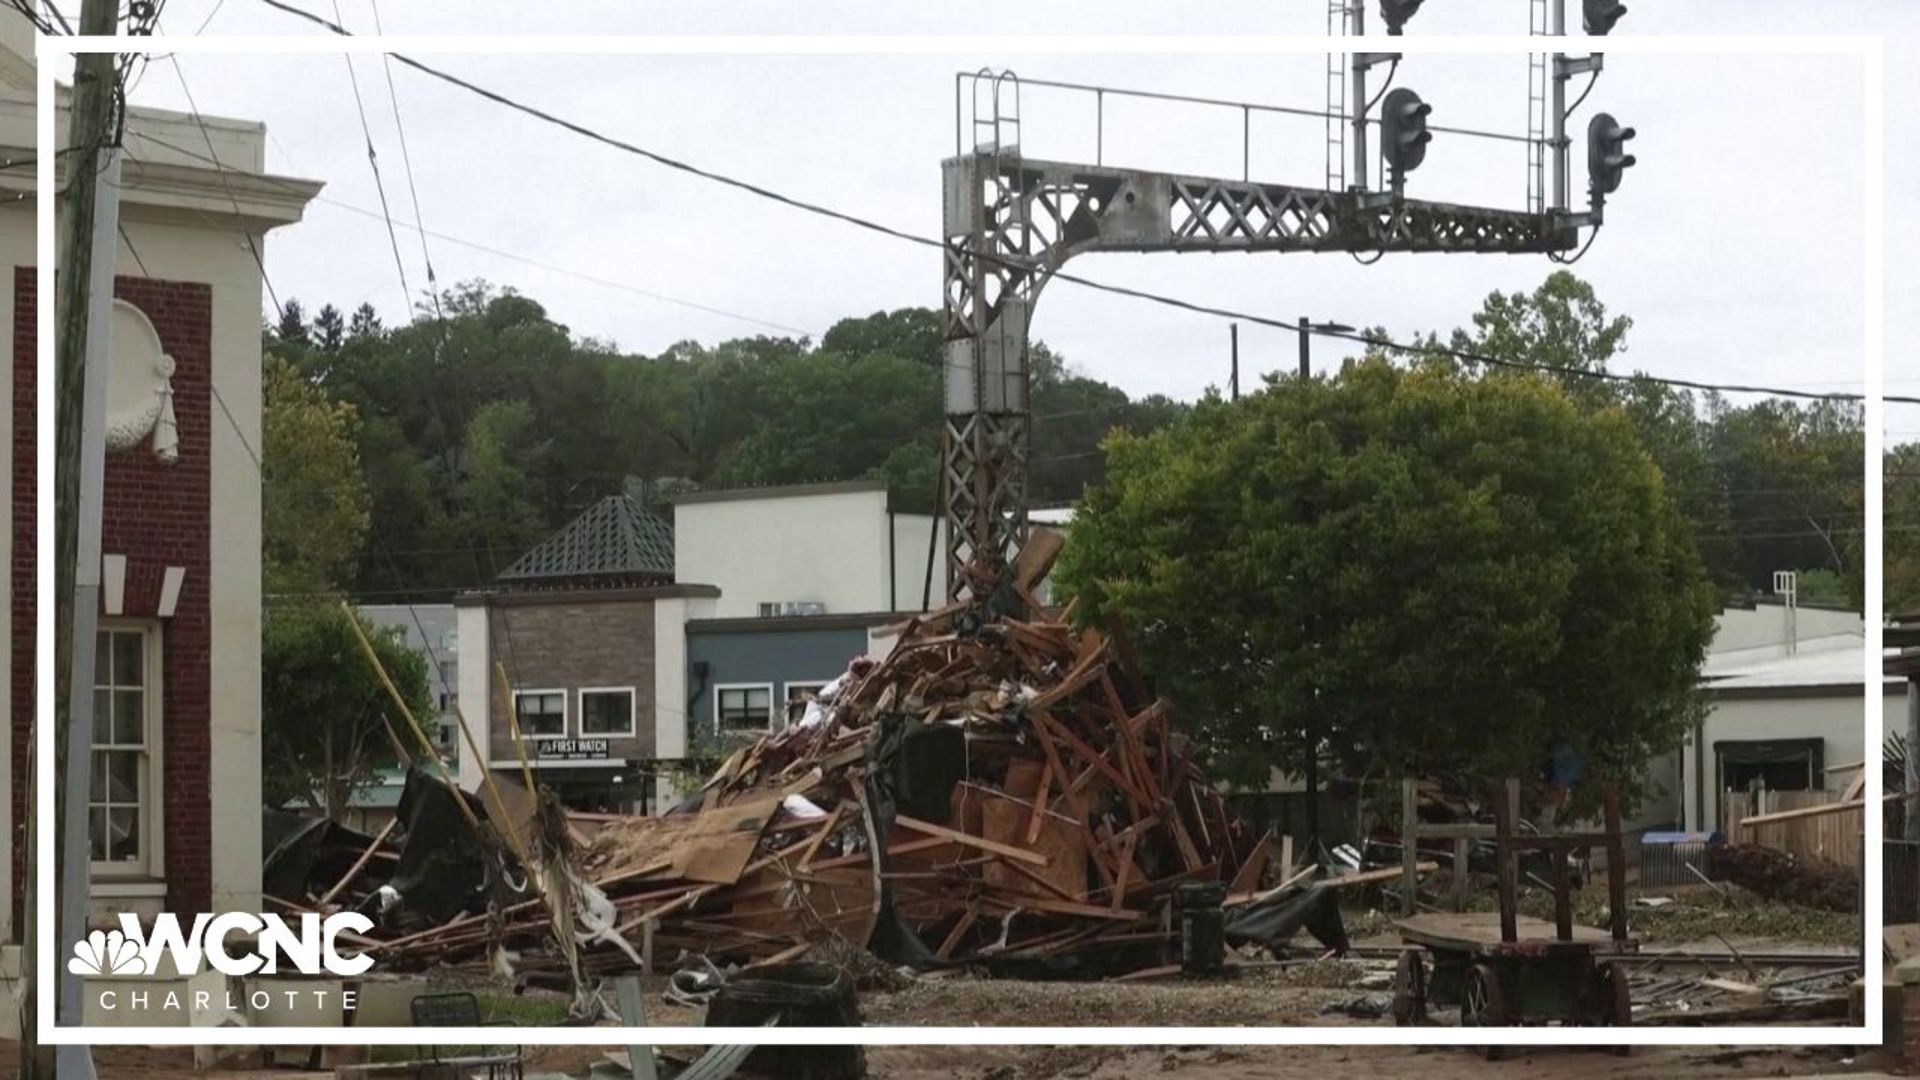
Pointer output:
x,y
1538,72
1338,22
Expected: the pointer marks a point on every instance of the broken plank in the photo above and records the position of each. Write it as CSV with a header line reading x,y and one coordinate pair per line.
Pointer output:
x,y
928,828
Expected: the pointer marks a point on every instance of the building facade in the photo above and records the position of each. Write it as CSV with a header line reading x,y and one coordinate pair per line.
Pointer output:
x,y
574,661
431,631
810,549
749,676
177,687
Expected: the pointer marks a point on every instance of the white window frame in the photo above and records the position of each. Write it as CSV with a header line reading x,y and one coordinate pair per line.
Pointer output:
x,y
151,864
722,729
787,689
566,717
633,712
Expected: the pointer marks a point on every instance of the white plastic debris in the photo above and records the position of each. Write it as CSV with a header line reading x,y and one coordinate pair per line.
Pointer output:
x,y
801,807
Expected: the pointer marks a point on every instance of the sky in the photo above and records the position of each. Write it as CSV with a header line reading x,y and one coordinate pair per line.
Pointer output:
x,y
1735,244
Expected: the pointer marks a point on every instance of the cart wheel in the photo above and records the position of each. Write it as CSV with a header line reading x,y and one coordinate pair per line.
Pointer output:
x,y
1482,1004
1619,1001
1409,990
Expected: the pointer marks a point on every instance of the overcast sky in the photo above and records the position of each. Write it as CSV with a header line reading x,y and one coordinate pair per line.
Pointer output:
x,y
1735,244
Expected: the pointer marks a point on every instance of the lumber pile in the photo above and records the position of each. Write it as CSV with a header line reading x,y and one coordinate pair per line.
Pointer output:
x,y
1001,787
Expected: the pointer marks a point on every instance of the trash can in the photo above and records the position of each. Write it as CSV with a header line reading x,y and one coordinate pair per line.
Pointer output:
x,y
797,995
1203,936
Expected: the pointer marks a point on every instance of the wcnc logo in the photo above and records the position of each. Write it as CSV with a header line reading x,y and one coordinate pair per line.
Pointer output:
x,y
311,950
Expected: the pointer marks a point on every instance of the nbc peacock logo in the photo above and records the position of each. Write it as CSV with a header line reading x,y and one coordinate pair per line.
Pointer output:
x,y
106,952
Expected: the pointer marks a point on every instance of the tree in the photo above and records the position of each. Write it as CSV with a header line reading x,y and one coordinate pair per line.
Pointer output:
x,y
292,328
497,512
864,402
327,722
1900,515
1794,477
329,328
365,323
315,508
1402,570
1563,324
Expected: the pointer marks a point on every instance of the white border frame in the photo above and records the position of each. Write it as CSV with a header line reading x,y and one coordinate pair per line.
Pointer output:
x,y
1869,49
566,714
775,709
633,712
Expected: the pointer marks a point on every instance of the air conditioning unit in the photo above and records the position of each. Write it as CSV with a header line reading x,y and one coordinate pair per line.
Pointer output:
x,y
792,607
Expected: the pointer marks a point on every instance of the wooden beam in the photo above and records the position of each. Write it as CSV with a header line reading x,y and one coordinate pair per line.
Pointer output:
x,y
1409,842
1506,811
360,863
1005,850
1616,862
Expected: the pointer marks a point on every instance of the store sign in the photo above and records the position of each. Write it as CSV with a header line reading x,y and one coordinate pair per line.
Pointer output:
x,y
571,749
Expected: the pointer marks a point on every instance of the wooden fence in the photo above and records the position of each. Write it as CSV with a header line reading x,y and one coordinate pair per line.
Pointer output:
x,y
1807,824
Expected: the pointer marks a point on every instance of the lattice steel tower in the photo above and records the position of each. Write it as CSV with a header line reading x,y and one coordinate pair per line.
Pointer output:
x,y
1012,221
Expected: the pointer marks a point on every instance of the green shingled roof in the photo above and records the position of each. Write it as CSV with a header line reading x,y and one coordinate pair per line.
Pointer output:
x,y
614,538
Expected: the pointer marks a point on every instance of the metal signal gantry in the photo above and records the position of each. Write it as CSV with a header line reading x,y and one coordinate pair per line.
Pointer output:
x,y
1011,222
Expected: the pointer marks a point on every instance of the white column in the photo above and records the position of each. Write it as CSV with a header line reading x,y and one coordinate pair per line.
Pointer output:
x,y
475,687
233,590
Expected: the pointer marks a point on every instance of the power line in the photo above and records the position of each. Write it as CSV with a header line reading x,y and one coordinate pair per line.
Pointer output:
x,y
870,225
406,160
379,184
252,248
208,21
478,246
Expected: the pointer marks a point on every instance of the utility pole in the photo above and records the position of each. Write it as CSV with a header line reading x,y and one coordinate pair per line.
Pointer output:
x,y
1233,336
1306,351
88,250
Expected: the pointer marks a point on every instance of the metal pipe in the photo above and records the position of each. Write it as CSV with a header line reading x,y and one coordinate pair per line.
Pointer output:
x,y
1283,110
1357,14
1557,26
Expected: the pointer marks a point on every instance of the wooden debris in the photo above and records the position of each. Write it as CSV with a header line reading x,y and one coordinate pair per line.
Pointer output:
x,y
1066,830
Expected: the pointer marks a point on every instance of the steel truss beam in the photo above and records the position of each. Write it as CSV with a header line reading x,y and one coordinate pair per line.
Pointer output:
x,y
1011,222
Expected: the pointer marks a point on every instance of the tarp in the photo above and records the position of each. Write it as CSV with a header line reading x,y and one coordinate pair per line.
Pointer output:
x,y
443,869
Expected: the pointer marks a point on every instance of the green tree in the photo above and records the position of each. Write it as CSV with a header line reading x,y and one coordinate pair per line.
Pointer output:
x,y
1563,324
315,507
498,515
292,327
1794,474
1900,514
329,328
1398,570
327,723
365,323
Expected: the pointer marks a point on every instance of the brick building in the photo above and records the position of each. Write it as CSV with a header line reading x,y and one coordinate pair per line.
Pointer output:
x,y
576,657
177,687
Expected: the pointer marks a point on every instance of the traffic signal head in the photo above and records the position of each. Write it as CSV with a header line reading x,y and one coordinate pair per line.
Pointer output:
x,y
1403,130
1607,156
1598,16
1395,13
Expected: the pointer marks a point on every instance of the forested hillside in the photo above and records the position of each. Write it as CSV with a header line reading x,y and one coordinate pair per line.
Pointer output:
x,y
483,424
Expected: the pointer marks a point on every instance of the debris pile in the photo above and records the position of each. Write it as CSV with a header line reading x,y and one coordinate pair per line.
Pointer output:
x,y
1001,791
1777,875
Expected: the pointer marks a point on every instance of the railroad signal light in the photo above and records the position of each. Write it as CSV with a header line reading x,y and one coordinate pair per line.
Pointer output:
x,y
1598,16
1403,131
1607,156
1395,13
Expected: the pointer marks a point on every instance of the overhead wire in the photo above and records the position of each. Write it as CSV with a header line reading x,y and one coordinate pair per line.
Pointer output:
x,y
379,183
1035,265
475,245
